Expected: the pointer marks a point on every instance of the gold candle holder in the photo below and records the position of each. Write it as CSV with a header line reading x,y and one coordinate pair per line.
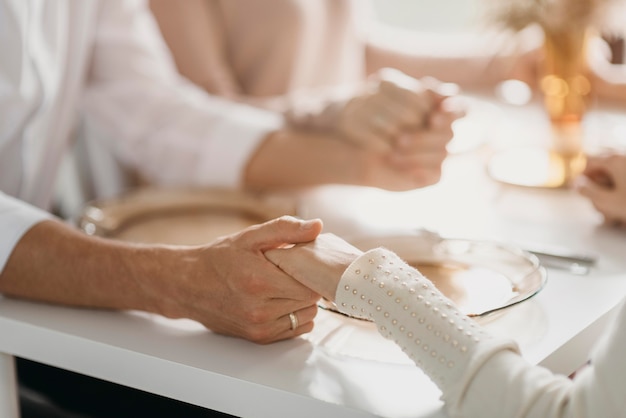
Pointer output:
x,y
565,89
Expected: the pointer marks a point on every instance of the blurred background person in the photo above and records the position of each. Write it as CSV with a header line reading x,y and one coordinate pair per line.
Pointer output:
x,y
319,63
281,54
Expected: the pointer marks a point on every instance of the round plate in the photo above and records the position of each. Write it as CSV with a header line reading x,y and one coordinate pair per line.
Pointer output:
x,y
180,216
535,167
480,277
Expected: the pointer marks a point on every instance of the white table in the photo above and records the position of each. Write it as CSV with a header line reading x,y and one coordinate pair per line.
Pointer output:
x,y
307,377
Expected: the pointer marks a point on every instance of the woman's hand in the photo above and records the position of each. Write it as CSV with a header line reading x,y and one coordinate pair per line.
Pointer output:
x,y
392,106
318,265
604,183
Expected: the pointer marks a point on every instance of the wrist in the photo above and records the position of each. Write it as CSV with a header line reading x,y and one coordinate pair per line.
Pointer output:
x,y
297,158
155,272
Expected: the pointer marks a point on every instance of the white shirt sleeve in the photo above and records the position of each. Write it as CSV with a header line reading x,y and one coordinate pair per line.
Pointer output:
x,y
480,375
160,124
16,217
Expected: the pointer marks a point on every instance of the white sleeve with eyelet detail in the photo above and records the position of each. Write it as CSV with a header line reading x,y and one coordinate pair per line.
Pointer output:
x,y
407,308
480,375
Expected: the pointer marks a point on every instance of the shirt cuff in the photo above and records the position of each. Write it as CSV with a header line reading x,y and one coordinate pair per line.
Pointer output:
x,y
235,138
16,218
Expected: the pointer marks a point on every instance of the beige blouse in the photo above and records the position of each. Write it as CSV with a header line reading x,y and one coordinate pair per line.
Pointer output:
x,y
267,48
278,46
281,54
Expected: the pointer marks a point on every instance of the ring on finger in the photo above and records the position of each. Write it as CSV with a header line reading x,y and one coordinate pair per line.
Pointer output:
x,y
294,321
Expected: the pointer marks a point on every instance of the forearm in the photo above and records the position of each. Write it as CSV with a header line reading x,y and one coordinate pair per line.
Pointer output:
x,y
57,264
300,159
164,127
288,159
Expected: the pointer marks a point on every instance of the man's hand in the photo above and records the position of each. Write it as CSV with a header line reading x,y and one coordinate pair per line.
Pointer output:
x,y
231,288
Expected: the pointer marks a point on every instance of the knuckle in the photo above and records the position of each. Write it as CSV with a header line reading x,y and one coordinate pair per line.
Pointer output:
x,y
284,219
256,285
256,315
258,335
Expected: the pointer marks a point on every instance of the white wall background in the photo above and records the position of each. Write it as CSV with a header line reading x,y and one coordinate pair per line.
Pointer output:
x,y
430,15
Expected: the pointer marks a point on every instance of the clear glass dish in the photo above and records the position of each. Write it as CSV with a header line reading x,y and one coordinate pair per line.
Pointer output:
x,y
481,277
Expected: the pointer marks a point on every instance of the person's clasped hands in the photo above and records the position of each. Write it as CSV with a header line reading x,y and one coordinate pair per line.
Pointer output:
x,y
406,120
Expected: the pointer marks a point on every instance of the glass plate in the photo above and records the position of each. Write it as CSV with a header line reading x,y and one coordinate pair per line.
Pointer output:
x,y
481,277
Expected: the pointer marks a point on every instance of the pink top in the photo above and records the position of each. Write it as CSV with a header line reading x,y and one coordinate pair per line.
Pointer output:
x,y
323,46
251,50
254,56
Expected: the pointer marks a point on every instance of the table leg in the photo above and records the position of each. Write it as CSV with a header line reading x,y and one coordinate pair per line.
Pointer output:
x,y
9,406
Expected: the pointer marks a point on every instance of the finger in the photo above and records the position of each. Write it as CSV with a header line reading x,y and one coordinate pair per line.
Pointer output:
x,y
431,161
402,114
364,135
280,231
382,120
599,195
362,123
258,281
434,140
305,324
457,107
298,318
285,292
439,89
419,103
422,177
601,178
279,328
595,164
395,83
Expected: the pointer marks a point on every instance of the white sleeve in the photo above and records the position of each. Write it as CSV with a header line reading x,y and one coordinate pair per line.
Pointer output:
x,y
16,217
168,129
480,375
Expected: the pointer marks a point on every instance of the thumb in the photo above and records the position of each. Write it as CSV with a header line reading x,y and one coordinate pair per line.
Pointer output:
x,y
284,230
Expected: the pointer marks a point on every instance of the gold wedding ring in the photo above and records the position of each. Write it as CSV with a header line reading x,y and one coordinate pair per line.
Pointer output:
x,y
294,321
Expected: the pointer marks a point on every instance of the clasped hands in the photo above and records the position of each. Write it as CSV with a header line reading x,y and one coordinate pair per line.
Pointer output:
x,y
247,284
405,121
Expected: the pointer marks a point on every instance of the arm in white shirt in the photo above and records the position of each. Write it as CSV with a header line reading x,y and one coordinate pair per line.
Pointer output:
x,y
16,217
168,129
176,134
480,375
